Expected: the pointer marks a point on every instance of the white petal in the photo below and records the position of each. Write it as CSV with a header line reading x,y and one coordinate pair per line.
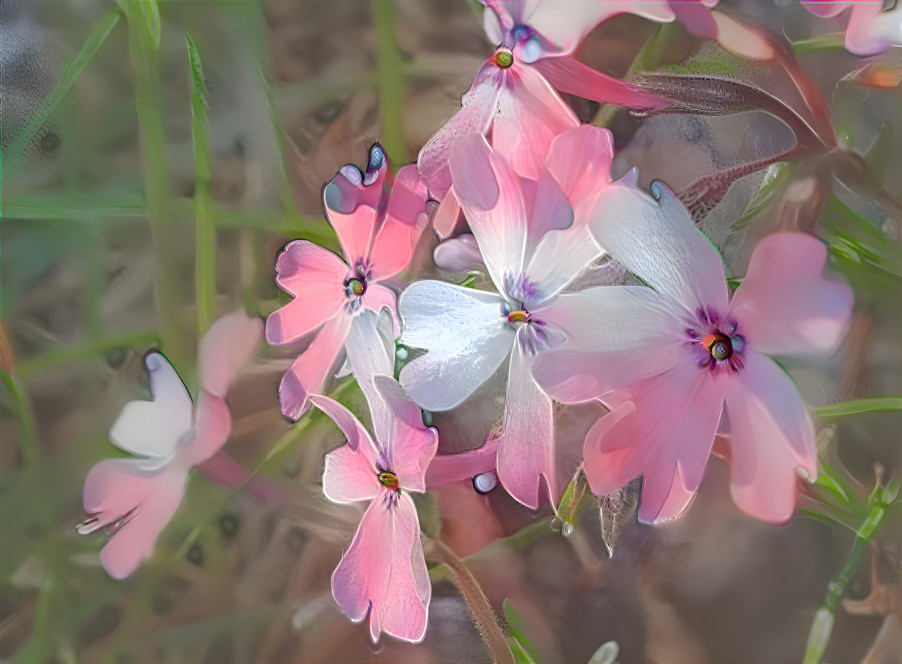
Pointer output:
x,y
465,335
154,428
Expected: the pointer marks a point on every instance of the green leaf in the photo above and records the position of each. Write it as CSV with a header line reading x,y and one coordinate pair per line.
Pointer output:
x,y
573,499
775,179
856,406
524,651
67,79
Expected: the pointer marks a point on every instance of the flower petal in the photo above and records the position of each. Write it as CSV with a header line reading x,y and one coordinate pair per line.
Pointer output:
x,y
654,237
445,219
771,436
490,196
383,573
315,277
313,367
350,471
558,259
154,428
404,222
458,254
409,444
580,160
371,352
227,346
618,336
526,443
379,297
464,334
213,428
117,487
664,429
784,305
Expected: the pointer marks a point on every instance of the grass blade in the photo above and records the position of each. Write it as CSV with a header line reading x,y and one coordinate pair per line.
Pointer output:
x,y
856,406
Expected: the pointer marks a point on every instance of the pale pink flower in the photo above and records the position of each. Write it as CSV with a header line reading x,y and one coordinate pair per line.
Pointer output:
x,y
137,497
871,29
534,239
377,231
383,572
666,359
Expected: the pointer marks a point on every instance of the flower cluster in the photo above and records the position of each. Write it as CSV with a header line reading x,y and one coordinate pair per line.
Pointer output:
x,y
520,190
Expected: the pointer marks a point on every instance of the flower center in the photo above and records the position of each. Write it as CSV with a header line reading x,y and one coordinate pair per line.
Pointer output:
x,y
504,59
355,288
518,316
719,345
389,480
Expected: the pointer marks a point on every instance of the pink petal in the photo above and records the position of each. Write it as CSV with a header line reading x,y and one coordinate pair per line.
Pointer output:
x,y
383,573
410,445
350,187
490,196
227,346
618,336
465,338
458,254
784,305
871,30
359,439
532,113
478,109
379,297
355,232
117,487
213,428
663,429
315,277
350,473
559,257
771,436
826,8
404,222
446,217
526,443
548,208
696,16
154,428
571,76
580,160
654,237
313,367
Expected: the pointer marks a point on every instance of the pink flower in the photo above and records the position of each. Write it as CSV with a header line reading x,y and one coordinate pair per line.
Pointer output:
x,y
383,572
137,497
665,359
377,232
534,239
870,30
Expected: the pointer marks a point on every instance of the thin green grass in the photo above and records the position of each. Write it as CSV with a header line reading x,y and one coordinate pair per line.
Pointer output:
x,y
391,82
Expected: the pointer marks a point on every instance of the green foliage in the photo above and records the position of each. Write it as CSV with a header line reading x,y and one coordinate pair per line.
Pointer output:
x,y
523,650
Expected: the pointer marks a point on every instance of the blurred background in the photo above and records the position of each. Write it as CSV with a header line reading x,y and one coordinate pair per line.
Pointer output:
x,y
99,249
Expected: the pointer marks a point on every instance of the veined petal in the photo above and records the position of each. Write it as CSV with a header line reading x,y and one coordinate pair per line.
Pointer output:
x,y
490,196
559,257
313,367
315,277
784,305
154,428
383,573
402,226
227,346
355,232
478,108
618,336
464,334
771,435
409,444
352,187
663,429
350,474
654,237
526,443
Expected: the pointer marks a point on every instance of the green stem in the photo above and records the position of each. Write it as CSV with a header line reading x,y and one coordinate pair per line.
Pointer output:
x,y
831,42
822,626
143,32
205,267
391,82
856,406
28,429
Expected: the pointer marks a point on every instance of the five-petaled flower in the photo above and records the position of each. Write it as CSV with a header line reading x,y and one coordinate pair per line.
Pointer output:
x,y
666,359
136,498
377,231
383,572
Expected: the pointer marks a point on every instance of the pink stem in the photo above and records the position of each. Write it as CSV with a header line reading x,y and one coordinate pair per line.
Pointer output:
x,y
463,466
224,470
